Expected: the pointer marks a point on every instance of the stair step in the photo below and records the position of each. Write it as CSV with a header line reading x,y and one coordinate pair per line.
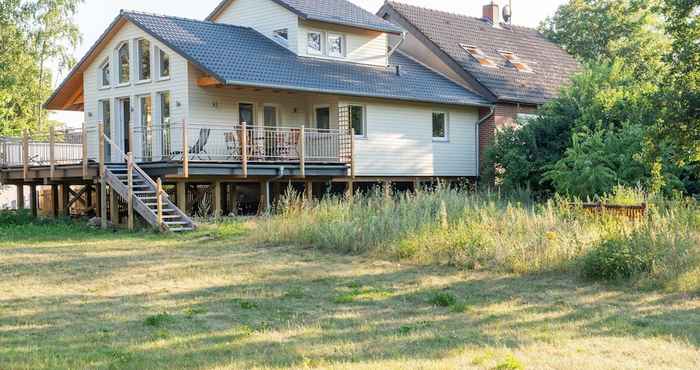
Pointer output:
x,y
181,229
176,223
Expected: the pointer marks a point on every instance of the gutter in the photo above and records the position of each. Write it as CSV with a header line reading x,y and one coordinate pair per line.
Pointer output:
x,y
477,127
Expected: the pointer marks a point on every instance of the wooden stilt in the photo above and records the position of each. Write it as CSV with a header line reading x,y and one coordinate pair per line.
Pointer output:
x,y
264,197
65,200
350,191
417,186
216,189
55,201
34,200
103,201
309,190
20,197
181,190
387,189
113,207
233,199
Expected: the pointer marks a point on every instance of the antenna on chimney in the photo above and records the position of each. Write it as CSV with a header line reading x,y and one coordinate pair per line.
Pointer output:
x,y
508,13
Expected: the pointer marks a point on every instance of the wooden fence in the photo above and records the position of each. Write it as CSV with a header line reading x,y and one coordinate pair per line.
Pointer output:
x,y
632,212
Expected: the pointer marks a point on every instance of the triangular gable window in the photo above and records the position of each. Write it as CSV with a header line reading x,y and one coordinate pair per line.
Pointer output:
x,y
516,62
479,55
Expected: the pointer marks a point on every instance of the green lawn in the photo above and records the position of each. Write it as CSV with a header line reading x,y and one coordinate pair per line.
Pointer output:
x,y
211,300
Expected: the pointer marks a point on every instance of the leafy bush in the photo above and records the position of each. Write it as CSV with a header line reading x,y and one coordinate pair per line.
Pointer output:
x,y
618,258
443,299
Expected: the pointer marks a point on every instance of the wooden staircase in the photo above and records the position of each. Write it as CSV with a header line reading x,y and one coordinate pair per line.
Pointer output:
x,y
160,213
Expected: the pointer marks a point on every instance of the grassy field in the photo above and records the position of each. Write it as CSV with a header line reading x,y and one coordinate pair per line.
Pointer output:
x,y
75,299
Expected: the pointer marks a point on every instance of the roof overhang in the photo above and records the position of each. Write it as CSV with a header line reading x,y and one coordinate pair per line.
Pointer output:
x,y
69,95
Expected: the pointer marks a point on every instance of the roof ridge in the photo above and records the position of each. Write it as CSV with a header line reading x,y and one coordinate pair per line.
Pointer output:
x,y
391,2
150,14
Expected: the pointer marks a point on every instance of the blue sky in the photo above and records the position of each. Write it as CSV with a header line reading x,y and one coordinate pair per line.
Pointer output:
x,y
95,15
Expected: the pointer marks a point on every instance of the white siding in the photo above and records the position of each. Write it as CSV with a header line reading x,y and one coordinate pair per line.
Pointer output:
x,y
176,85
265,16
366,47
399,142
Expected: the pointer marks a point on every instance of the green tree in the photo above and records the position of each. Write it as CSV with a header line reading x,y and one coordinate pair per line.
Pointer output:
x,y
35,35
600,31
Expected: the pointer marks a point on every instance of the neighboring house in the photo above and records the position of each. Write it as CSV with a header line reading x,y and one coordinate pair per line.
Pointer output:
x,y
514,67
271,90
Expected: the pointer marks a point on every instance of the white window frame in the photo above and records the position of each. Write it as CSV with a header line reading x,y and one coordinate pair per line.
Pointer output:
x,y
278,114
322,40
257,121
364,119
138,60
330,115
343,43
445,138
106,63
158,64
280,39
118,64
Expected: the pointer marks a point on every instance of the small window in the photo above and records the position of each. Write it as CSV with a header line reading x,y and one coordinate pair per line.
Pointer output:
x,y
336,45
144,50
479,55
106,74
357,120
163,64
123,57
281,35
516,62
314,43
270,116
439,126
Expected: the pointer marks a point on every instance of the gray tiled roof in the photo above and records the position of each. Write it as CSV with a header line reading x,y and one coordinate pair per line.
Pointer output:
x,y
330,11
552,66
242,56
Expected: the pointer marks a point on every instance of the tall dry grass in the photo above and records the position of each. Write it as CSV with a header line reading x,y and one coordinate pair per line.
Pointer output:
x,y
504,233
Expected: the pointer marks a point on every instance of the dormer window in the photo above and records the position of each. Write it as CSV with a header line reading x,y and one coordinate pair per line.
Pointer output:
x,y
281,36
105,74
336,45
516,62
479,55
314,43
123,60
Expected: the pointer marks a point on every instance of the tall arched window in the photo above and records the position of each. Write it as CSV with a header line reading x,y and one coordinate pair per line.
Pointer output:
x,y
123,57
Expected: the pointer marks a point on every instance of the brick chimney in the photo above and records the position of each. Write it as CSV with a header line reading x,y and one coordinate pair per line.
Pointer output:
x,y
491,13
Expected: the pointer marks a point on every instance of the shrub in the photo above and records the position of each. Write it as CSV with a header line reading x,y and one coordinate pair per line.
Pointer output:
x,y
618,258
443,299
159,319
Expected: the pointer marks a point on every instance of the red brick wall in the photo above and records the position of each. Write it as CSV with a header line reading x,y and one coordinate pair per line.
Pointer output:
x,y
504,116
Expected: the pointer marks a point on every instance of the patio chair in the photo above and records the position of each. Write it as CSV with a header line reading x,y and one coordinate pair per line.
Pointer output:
x,y
233,145
198,149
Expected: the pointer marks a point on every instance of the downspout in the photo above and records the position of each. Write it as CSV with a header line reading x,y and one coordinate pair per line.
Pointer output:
x,y
396,47
478,139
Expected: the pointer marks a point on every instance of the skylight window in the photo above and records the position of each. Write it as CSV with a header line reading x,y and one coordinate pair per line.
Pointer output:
x,y
479,55
516,62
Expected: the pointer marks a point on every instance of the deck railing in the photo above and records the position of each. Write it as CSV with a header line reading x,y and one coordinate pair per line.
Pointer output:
x,y
56,147
214,143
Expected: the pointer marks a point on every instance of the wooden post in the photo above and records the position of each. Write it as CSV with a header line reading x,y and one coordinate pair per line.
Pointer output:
x,y
216,189
65,200
103,200
84,140
264,196
233,199
181,189
130,196
52,152
159,203
54,200
309,190
350,191
416,186
33,200
20,197
113,206
101,148
387,189
302,153
352,153
25,154
185,151
244,148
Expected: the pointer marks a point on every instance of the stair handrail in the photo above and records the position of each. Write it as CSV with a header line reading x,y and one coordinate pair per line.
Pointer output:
x,y
135,166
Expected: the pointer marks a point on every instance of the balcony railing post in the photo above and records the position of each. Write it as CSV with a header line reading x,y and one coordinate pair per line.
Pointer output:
x,y
302,152
185,151
244,148
25,154
130,197
52,152
352,153
84,142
